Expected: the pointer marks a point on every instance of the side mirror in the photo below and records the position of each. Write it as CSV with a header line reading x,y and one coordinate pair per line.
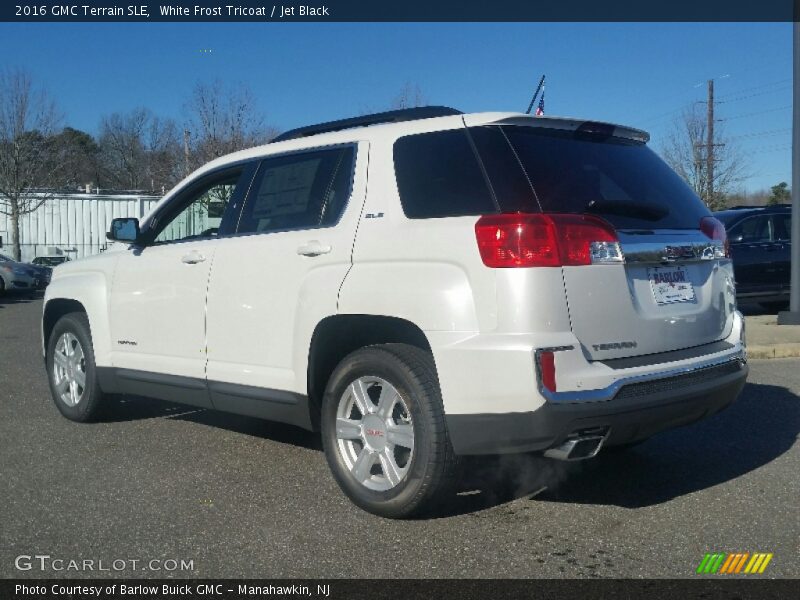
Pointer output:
x,y
736,239
124,230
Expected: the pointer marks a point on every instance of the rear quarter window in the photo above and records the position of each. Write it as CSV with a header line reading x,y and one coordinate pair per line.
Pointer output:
x,y
438,175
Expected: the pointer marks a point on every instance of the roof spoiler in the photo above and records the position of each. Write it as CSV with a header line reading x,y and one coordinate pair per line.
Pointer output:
x,y
564,124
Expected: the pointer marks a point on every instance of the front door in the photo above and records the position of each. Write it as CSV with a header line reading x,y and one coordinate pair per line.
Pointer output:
x,y
158,298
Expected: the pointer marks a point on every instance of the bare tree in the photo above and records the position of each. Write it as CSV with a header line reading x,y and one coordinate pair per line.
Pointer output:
x,y
409,96
28,120
223,120
685,152
140,151
78,155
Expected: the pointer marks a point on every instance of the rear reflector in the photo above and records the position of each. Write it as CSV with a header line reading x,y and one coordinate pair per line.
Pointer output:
x,y
547,370
545,240
715,229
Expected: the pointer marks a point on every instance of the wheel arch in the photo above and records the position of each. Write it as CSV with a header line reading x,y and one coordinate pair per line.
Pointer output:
x,y
337,336
84,291
55,309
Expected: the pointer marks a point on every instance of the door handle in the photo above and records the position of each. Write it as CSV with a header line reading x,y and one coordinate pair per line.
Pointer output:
x,y
313,248
192,258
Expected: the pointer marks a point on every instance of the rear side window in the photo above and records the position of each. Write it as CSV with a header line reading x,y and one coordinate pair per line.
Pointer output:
x,y
438,175
299,191
751,229
622,181
782,224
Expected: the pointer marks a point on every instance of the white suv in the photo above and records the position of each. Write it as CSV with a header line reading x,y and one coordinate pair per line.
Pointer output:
x,y
417,285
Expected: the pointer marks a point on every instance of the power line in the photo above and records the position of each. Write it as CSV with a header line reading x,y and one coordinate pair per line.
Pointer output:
x,y
733,96
778,148
747,97
759,112
756,87
766,133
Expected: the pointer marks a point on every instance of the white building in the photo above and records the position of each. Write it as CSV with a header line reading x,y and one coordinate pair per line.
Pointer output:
x,y
72,224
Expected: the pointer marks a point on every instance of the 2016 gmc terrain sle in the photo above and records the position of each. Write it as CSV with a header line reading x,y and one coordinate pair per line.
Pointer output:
x,y
418,285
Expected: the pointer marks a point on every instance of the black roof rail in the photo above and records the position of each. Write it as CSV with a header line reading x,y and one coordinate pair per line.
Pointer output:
x,y
392,116
753,207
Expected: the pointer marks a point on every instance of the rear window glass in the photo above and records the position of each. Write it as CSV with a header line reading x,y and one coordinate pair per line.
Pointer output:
x,y
438,175
622,181
527,169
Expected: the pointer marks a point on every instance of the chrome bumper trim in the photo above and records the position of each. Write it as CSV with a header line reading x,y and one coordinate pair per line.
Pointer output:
x,y
607,393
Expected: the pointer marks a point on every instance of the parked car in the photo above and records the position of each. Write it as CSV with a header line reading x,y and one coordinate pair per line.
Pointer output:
x,y
504,283
43,274
760,246
18,276
50,261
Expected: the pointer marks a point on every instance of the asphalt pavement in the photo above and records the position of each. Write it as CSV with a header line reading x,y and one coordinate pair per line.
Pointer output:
x,y
238,497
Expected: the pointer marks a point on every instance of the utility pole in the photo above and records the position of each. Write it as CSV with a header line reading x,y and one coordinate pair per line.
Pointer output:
x,y
710,143
707,187
792,316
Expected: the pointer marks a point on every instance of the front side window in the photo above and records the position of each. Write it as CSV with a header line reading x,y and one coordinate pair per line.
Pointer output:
x,y
299,191
200,215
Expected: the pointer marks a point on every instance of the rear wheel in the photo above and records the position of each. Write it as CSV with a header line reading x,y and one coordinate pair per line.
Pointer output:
x,y
71,369
384,432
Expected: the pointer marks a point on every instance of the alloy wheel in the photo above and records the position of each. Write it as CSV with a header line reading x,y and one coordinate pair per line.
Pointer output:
x,y
375,433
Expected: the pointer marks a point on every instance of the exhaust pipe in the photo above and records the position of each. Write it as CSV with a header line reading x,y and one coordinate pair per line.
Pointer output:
x,y
577,448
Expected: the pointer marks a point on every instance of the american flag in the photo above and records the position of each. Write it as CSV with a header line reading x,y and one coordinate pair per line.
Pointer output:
x,y
540,109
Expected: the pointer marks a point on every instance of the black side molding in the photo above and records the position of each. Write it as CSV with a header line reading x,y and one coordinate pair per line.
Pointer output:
x,y
262,403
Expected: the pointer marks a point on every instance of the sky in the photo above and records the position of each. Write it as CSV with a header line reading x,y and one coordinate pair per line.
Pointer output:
x,y
637,74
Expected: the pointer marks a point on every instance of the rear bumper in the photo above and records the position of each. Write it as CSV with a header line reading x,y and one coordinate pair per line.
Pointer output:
x,y
637,411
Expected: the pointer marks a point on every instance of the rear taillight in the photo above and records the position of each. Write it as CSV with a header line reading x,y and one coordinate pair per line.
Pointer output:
x,y
543,240
714,229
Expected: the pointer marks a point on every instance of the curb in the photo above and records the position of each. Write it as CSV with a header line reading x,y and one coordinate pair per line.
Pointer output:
x,y
786,350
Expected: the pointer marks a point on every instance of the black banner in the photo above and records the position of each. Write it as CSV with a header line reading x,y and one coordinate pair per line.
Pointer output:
x,y
402,10
716,588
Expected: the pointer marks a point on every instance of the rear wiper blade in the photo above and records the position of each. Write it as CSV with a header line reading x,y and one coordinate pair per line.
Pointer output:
x,y
648,212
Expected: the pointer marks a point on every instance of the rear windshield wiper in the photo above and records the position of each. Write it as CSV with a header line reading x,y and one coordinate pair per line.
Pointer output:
x,y
623,208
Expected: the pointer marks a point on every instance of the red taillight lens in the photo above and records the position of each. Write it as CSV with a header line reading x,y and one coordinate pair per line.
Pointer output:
x,y
547,370
517,240
542,240
714,229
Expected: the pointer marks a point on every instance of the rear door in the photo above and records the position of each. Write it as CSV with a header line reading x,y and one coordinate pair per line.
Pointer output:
x,y
674,289
754,252
782,227
280,273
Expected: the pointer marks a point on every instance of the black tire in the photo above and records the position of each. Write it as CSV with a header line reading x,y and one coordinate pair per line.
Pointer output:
x,y
90,403
774,306
431,470
2,286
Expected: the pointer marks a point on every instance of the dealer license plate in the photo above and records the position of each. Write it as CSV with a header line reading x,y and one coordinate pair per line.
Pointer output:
x,y
670,285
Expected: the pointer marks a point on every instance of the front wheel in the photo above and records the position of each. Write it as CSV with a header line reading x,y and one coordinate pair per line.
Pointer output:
x,y
71,369
384,431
